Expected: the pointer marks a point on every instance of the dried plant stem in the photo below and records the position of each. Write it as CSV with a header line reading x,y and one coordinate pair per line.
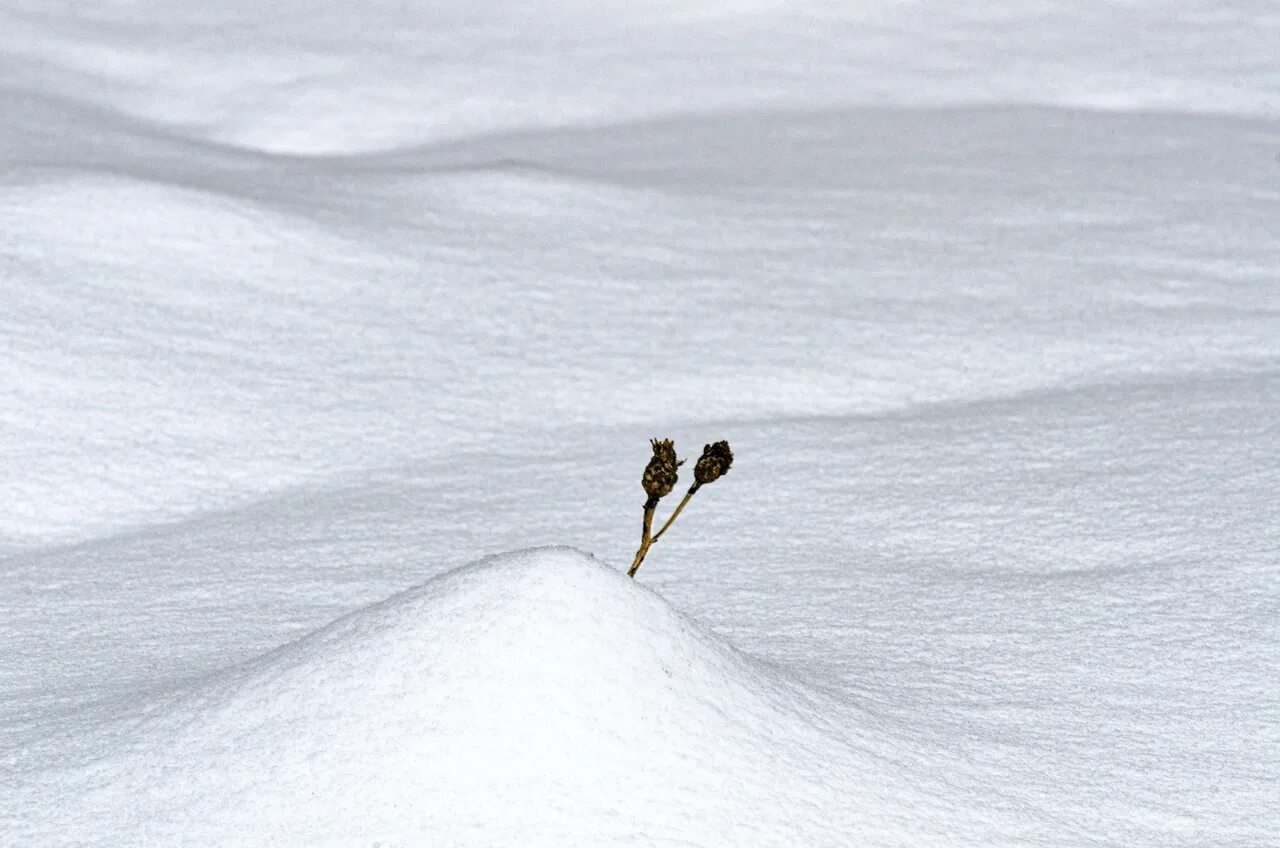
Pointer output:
x,y
660,478
680,506
645,539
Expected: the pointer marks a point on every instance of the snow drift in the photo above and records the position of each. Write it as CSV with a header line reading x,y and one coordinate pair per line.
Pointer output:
x,y
532,698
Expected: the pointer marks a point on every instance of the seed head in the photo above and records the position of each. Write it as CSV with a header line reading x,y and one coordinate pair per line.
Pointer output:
x,y
660,475
713,464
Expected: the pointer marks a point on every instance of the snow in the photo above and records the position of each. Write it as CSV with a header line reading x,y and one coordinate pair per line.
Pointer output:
x,y
302,308
539,692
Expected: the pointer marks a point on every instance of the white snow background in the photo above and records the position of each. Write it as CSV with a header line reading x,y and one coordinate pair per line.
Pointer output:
x,y
304,307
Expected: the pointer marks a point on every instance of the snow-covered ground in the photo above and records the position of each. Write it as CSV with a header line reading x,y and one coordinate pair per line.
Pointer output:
x,y
301,308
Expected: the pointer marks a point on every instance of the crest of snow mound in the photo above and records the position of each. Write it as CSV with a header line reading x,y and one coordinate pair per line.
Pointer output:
x,y
534,698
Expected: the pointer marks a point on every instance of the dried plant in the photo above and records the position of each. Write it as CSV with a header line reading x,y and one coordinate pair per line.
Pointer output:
x,y
660,478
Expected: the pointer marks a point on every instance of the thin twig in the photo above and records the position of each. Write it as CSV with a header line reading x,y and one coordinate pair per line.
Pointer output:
x,y
680,506
645,539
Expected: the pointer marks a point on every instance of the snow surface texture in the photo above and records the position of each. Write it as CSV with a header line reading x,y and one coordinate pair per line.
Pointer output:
x,y
538,694
302,306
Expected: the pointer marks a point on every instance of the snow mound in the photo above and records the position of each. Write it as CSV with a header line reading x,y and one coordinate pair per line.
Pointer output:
x,y
535,697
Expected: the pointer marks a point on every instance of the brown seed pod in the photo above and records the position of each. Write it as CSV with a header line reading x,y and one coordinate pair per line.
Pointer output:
x,y
661,474
713,464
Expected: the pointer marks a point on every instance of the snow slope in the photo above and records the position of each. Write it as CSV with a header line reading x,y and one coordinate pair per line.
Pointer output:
x,y
538,693
1117,689
381,75
209,325
302,306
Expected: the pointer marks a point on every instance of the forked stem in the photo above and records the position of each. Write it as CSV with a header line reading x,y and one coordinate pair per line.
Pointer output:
x,y
660,478
646,538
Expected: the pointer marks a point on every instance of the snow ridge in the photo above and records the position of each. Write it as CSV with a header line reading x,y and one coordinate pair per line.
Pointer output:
x,y
537,692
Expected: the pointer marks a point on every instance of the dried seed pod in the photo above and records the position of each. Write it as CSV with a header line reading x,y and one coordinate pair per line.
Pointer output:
x,y
713,464
661,474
